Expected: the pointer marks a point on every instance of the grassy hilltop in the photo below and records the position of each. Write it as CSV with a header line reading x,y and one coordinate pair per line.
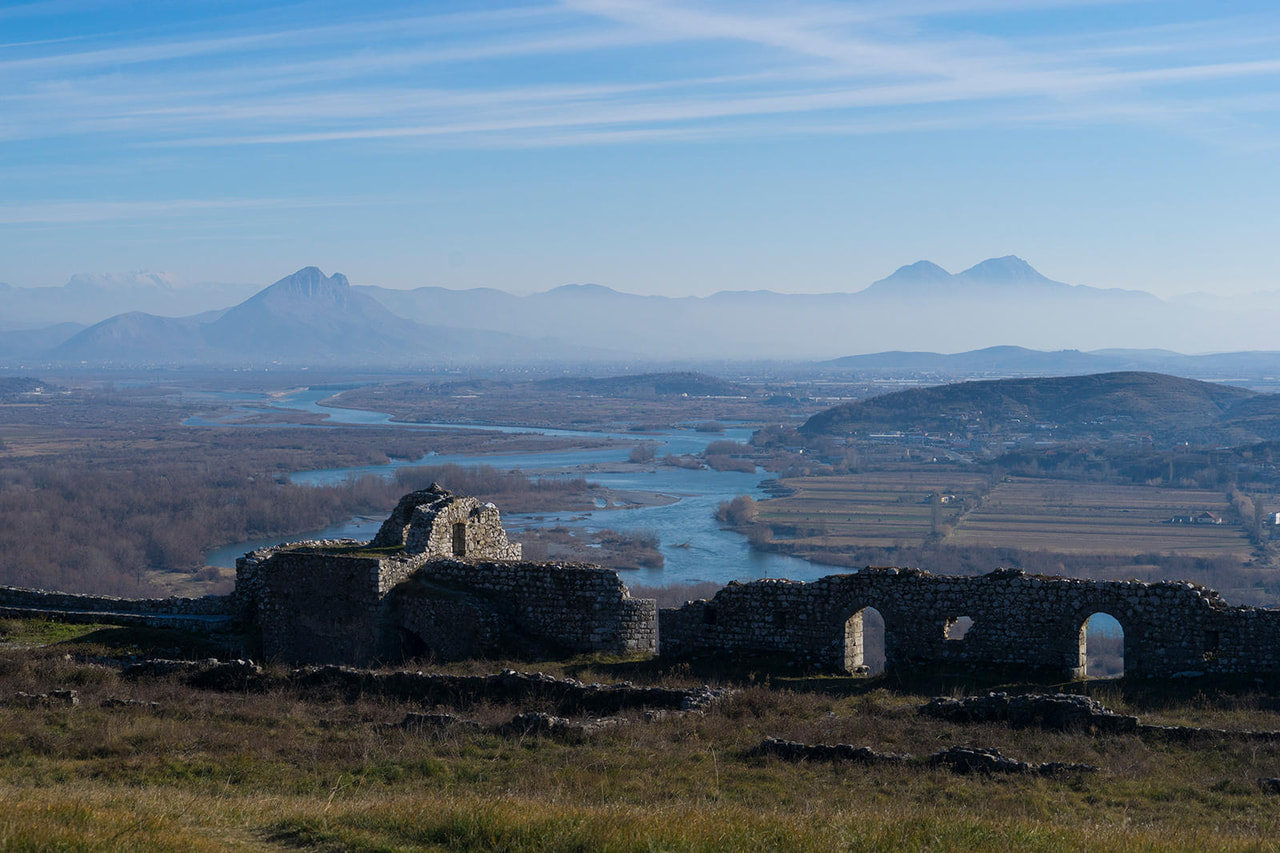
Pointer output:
x,y
154,764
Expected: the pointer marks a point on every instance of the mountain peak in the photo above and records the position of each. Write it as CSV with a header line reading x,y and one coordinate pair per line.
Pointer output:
x,y
1009,269
310,283
119,282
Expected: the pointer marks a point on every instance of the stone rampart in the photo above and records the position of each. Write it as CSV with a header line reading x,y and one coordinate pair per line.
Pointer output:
x,y
1170,628
580,607
202,613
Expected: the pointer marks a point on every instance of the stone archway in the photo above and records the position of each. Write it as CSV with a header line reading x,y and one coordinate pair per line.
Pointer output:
x,y
1101,647
864,642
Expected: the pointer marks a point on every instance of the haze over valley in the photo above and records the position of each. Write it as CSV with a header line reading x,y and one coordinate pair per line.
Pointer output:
x,y
311,317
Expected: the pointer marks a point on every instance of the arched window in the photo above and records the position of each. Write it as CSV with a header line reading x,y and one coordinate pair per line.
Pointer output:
x,y
864,642
1101,647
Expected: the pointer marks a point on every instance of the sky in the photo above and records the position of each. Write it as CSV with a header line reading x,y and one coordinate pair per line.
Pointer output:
x,y
675,148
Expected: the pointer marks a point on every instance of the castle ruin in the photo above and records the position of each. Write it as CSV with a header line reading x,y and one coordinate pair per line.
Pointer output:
x,y
441,580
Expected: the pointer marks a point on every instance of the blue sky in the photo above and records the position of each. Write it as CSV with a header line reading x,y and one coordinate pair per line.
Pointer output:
x,y
654,147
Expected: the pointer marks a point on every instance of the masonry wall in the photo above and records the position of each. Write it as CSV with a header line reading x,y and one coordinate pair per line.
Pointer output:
x,y
578,607
315,606
198,613
1018,619
320,608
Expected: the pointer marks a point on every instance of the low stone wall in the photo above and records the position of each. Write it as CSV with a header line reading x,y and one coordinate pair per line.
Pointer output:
x,y
1170,628
202,613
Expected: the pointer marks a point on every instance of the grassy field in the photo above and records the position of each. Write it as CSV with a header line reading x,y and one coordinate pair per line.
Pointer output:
x,y
886,508
206,770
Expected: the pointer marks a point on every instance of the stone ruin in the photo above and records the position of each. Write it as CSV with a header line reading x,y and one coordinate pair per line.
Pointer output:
x,y
439,580
1171,628
438,523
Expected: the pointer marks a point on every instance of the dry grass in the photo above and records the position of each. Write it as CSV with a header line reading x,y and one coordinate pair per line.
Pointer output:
x,y
211,771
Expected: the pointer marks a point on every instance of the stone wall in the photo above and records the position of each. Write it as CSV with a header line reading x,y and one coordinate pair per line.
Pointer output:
x,y
317,606
578,607
199,613
1170,628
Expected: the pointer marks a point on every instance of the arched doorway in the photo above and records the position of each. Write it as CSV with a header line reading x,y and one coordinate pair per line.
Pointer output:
x,y
864,642
1101,646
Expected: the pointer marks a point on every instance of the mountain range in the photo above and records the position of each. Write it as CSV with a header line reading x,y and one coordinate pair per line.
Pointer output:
x,y
305,318
311,318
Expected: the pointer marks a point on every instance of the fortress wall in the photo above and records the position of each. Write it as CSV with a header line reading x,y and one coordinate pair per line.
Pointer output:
x,y
319,608
578,607
1018,619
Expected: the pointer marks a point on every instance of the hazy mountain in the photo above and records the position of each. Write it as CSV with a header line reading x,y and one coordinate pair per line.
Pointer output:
x,y
136,338
921,308
305,318
1006,361
1002,301
1169,407
21,343
91,297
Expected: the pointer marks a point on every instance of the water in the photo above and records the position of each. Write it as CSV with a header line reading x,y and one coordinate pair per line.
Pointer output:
x,y
693,546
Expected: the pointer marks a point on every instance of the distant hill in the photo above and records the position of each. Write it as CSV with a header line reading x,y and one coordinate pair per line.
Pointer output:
x,y
21,343
304,318
1001,301
15,387
1169,408
1015,361
647,385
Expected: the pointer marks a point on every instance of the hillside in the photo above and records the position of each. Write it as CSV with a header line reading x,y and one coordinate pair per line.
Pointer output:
x,y
1167,407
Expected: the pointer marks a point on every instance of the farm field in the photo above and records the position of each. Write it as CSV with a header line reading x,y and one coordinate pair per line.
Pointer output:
x,y
1090,518
878,509
888,508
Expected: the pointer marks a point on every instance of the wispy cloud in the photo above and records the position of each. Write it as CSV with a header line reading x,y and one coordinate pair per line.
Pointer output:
x,y
608,71
79,212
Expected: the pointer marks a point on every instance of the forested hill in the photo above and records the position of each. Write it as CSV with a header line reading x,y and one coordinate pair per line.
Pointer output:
x,y
1167,407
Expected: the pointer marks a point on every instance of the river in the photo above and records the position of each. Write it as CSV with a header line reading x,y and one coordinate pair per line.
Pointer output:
x,y
694,547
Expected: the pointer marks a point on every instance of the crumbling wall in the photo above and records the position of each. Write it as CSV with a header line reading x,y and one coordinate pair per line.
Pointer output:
x,y
437,523
1024,620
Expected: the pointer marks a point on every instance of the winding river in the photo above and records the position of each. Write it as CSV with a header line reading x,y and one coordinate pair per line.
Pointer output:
x,y
693,545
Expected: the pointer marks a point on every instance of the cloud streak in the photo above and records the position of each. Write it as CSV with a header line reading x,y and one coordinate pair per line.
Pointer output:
x,y
598,72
